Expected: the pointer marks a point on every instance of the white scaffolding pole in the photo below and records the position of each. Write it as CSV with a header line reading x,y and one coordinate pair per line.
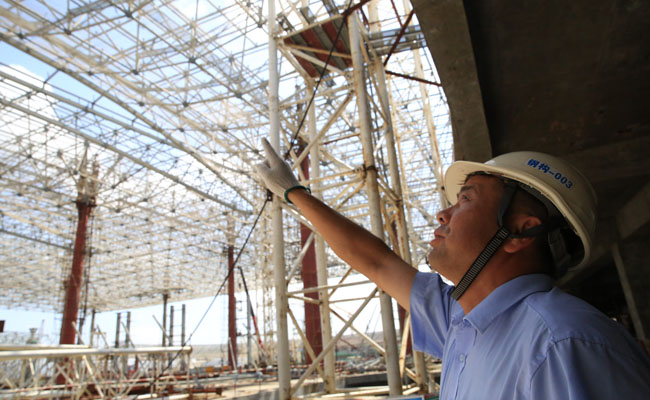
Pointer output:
x,y
377,228
396,181
281,300
428,116
321,256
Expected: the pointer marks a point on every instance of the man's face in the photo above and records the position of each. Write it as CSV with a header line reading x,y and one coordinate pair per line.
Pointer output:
x,y
466,227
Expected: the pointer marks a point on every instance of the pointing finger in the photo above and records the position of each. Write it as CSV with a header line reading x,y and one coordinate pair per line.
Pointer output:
x,y
271,155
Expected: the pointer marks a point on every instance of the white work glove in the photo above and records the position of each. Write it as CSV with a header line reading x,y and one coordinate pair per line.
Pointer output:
x,y
276,174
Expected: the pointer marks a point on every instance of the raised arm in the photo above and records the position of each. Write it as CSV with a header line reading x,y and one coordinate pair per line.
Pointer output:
x,y
362,250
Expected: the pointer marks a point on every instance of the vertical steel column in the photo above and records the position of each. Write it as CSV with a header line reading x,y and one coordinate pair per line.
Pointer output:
x,y
232,311
321,256
377,227
127,339
428,117
249,356
171,325
164,319
396,181
85,205
281,301
183,325
117,330
184,363
310,279
268,293
92,328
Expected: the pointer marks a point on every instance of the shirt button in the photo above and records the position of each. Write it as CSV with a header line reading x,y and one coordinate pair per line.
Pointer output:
x,y
462,358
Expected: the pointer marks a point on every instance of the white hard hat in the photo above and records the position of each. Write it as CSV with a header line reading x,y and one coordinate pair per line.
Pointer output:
x,y
560,183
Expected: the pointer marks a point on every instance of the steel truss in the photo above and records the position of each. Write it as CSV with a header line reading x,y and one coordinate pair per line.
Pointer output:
x,y
382,163
172,100
77,373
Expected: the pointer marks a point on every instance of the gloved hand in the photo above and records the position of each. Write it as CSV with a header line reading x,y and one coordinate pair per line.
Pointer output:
x,y
275,173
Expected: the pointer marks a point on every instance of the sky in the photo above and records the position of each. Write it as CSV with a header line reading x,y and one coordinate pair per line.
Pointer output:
x,y
144,329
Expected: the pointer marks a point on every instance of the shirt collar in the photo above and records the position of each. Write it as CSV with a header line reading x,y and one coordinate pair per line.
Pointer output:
x,y
506,296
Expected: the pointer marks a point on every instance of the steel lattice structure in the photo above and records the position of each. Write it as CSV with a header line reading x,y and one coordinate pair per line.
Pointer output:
x,y
76,373
170,100
158,109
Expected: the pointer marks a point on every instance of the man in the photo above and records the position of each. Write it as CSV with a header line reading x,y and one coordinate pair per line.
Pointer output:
x,y
503,331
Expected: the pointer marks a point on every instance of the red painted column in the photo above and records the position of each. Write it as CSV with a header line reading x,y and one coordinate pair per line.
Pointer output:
x,y
232,312
313,329
73,284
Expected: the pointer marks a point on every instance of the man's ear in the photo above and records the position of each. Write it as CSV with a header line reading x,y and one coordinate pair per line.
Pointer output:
x,y
521,223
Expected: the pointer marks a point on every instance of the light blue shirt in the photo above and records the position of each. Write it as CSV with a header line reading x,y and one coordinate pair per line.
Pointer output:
x,y
526,340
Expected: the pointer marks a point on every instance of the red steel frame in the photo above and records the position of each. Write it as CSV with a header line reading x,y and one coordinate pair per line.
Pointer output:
x,y
313,329
73,284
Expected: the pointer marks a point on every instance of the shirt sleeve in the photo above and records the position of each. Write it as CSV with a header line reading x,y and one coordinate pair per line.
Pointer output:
x,y
430,313
577,369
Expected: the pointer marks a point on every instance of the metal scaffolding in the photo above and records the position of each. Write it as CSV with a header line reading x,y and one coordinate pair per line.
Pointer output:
x,y
75,373
171,98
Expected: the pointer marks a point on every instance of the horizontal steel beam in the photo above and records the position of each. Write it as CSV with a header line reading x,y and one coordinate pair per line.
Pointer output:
x,y
76,353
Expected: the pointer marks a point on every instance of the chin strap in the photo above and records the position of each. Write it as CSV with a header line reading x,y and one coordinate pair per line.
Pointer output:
x,y
480,262
493,245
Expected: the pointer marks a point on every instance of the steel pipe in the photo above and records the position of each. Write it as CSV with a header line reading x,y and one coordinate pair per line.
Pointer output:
x,y
281,300
377,226
8,355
